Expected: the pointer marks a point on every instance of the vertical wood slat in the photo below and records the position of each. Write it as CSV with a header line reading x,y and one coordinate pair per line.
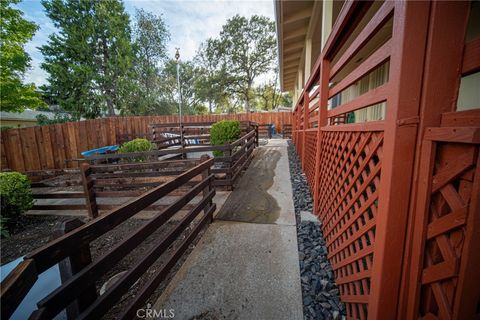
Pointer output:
x,y
41,147
14,149
4,160
88,189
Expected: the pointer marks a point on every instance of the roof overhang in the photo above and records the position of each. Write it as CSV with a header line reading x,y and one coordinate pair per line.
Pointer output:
x,y
292,20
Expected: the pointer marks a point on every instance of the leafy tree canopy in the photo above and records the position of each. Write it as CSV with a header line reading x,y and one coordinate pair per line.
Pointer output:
x,y
15,32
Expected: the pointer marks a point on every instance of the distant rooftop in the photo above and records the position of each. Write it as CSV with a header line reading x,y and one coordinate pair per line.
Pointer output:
x,y
27,115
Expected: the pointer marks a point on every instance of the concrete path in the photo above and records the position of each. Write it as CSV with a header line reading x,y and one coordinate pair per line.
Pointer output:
x,y
246,264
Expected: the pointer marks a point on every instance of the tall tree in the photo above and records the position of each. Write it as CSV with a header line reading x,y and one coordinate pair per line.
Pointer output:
x,y
268,97
15,32
150,37
89,59
190,99
249,49
213,81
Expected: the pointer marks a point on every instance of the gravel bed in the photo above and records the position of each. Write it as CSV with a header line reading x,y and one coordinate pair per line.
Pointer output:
x,y
321,298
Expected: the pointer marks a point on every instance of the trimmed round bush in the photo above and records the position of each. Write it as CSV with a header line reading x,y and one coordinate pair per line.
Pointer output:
x,y
16,198
137,145
222,132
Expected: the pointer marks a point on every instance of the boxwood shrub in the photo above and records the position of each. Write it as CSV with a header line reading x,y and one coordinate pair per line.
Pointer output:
x,y
222,132
137,145
16,198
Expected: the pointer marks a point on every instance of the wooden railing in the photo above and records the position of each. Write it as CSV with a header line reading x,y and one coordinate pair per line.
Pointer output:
x,y
265,130
93,183
236,156
287,131
365,176
184,134
74,244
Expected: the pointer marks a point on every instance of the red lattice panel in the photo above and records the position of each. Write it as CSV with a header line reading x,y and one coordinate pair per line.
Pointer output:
x,y
446,230
299,143
348,198
310,153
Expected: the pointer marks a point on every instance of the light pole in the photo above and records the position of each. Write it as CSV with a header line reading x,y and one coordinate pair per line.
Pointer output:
x,y
177,58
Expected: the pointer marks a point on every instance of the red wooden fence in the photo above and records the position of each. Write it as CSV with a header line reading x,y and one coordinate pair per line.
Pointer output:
x,y
48,147
399,197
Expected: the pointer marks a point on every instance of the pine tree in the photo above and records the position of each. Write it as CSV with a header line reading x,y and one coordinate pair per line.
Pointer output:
x,y
89,59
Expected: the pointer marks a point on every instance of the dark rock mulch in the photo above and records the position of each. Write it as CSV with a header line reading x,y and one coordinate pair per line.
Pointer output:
x,y
321,298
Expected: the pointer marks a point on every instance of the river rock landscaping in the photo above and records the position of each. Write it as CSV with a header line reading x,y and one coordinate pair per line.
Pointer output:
x,y
321,299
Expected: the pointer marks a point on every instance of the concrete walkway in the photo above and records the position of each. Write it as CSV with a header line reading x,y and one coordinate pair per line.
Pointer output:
x,y
246,264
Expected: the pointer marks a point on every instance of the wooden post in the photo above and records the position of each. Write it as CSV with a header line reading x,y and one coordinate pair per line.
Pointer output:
x,y
406,70
324,74
90,198
182,141
306,102
209,187
74,264
229,175
439,90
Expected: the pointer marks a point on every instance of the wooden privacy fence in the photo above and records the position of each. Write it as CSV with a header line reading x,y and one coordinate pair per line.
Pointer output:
x,y
398,195
79,289
48,147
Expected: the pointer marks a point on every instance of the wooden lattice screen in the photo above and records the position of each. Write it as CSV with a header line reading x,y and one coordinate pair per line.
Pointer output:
x,y
453,176
310,154
446,229
349,179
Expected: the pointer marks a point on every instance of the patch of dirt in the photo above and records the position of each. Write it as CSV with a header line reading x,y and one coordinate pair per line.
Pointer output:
x,y
30,233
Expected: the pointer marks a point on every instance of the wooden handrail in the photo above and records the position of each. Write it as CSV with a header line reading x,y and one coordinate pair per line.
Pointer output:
x,y
377,21
52,253
374,96
66,293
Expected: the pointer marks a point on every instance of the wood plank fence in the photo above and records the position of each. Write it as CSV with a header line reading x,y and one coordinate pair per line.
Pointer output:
x,y
399,198
53,146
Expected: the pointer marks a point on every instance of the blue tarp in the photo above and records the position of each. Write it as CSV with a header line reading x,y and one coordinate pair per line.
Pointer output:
x,y
101,150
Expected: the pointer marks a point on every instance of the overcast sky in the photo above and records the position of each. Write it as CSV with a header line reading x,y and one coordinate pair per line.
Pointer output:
x,y
190,23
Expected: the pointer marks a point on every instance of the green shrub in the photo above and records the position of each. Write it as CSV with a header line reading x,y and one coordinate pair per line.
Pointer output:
x,y
137,145
59,117
16,198
222,132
